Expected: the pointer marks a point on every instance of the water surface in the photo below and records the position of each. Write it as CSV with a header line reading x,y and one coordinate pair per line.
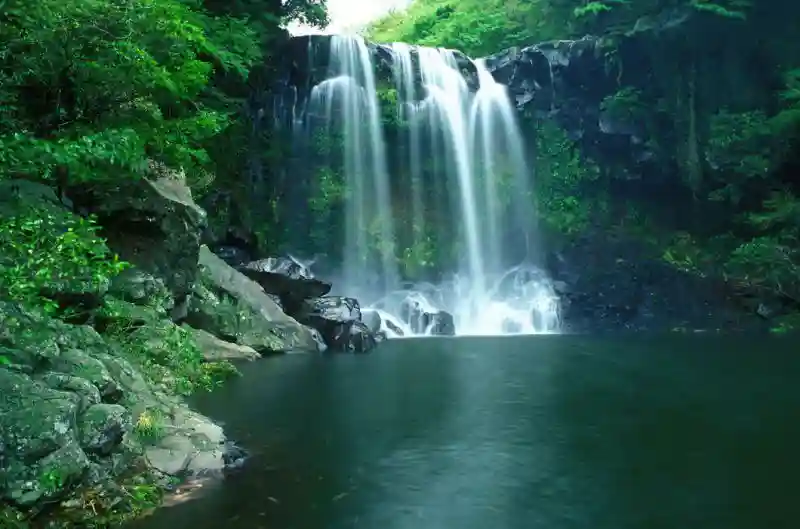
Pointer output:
x,y
550,432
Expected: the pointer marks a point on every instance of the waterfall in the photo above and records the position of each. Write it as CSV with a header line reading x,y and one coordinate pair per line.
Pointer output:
x,y
455,172
351,87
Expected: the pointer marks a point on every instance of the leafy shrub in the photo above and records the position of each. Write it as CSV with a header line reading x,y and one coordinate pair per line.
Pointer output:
x,y
43,251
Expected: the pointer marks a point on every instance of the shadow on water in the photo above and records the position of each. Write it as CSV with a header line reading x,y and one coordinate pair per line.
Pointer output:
x,y
549,432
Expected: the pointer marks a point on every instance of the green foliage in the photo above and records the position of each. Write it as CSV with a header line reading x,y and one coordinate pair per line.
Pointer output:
x,y
388,99
329,191
625,104
739,147
149,426
481,27
725,8
168,355
44,252
595,8
562,176
420,256
94,88
771,260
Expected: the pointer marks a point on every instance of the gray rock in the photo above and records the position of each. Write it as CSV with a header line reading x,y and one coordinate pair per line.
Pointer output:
x,y
236,309
136,286
338,319
79,363
194,445
88,392
152,223
103,426
215,349
35,419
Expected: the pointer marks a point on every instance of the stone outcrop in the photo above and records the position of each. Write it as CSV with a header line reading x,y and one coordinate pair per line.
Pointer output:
x,y
74,412
235,308
152,223
611,284
304,297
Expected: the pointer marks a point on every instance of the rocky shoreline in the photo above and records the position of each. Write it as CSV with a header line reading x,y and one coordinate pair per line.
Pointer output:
x,y
93,417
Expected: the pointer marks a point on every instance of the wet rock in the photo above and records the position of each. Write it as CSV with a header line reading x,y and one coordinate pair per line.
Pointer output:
x,y
614,284
288,279
333,308
392,327
422,321
442,324
372,319
338,319
233,255
234,456
236,309
360,338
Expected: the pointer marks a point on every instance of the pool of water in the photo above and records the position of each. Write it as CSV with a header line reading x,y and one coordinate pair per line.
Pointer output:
x,y
550,432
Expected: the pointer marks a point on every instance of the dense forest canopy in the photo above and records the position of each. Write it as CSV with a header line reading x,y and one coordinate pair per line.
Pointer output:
x,y
93,89
479,27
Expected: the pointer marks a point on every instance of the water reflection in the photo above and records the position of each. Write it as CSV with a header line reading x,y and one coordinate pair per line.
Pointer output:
x,y
549,432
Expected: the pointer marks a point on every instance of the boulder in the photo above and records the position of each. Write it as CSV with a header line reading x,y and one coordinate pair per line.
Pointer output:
x,y
214,349
236,309
151,222
422,321
338,319
141,288
288,279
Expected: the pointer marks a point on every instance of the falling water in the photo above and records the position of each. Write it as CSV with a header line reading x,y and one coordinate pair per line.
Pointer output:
x,y
351,88
480,184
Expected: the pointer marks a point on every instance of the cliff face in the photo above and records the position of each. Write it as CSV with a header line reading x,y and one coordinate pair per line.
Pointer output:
x,y
625,103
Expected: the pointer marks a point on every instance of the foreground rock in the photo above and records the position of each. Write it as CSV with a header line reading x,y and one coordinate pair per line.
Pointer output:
x,y
214,349
74,412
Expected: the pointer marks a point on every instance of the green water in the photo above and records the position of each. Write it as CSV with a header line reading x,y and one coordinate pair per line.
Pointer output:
x,y
550,432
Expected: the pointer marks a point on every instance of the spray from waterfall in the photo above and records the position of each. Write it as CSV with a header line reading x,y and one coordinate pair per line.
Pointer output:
x,y
460,163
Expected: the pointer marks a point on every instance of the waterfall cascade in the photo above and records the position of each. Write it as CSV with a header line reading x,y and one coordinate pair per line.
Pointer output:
x,y
454,174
